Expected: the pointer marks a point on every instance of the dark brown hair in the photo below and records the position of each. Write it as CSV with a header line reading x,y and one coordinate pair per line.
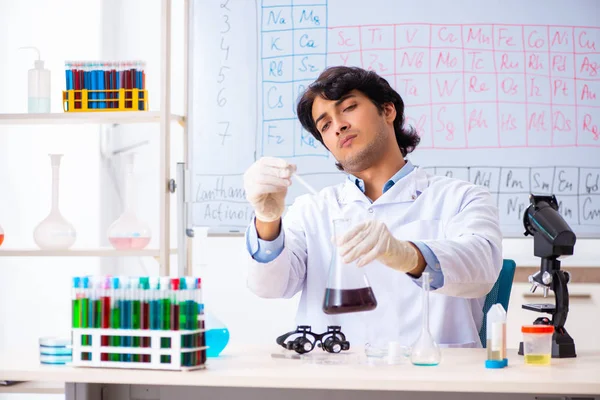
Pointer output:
x,y
335,82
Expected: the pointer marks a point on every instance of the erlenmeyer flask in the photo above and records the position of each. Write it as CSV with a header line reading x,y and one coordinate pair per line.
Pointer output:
x,y
425,351
348,289
1,235
217,335
128,232
54,232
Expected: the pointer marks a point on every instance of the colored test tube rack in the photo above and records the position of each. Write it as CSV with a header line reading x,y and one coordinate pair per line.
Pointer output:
x,y
138,322
105,86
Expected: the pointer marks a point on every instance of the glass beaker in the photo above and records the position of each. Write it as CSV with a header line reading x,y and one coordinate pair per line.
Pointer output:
x,y
217,335
425,351
128,232
1,235
348,289
54,232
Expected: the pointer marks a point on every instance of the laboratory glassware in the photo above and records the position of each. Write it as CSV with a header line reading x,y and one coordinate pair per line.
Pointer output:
x,y
217,335
425,351
129,232
1,235
496,337
348,289
55,232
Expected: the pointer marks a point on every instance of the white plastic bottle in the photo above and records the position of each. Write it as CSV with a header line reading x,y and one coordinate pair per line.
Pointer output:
x,y
38,78
496,337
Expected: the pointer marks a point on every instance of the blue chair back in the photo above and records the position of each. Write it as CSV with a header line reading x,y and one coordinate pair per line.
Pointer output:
x,y
500,293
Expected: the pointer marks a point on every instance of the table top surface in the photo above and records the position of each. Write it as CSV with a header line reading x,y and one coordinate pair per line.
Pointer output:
x,y
461,370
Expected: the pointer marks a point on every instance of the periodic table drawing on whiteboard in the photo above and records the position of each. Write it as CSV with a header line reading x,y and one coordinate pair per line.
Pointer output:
x,y
509,102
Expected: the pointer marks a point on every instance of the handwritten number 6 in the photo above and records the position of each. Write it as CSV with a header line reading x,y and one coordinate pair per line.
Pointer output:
x,y
221,101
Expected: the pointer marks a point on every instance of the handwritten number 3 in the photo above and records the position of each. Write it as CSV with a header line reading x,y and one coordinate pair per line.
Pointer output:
x,y
226,19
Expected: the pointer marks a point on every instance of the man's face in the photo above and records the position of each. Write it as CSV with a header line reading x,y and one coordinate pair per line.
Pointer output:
x,y
354,130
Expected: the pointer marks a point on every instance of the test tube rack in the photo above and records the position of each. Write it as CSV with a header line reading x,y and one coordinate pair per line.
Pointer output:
x,y
87,100
157,362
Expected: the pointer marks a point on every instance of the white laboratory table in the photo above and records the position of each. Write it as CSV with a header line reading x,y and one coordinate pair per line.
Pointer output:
x,y
252,373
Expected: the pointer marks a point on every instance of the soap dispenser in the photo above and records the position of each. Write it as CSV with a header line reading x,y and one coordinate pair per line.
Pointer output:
x,y
38,99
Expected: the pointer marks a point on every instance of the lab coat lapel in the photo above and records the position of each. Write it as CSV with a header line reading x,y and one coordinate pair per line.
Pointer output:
x,y
406,189
350,193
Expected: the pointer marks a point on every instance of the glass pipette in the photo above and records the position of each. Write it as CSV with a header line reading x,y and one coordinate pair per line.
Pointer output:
x,y
304,183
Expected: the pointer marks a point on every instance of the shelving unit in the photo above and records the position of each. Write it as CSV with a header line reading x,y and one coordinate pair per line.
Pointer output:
x,y
99,252
34,387
164,117
109,117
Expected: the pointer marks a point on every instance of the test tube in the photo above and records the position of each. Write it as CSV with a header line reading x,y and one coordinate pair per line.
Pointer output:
x,y
136,309
175,293
192,316
85,311
125,315
145,314
155,320
165,312
75,303
201,338
105,314
115,314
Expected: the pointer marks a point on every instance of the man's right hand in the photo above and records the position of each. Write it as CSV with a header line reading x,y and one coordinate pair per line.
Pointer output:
x,y
266,183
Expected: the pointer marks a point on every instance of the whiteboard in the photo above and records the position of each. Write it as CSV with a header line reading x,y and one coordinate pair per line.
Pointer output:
x,y
505,95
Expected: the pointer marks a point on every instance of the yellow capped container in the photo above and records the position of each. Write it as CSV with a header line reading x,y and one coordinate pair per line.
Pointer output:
x,y
537,344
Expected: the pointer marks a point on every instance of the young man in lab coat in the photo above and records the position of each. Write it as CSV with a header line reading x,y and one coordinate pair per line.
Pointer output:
x,y
420,222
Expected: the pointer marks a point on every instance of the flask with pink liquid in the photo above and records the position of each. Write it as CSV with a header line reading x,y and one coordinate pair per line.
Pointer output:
x,y
129,232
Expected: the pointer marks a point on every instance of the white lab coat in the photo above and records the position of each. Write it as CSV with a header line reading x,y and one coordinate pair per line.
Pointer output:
x,y
456,219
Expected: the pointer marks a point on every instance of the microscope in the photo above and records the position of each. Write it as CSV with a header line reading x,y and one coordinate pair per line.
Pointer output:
x,y
552,238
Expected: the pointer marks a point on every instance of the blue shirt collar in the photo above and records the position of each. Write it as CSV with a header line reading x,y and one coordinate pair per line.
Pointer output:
x,y
405,170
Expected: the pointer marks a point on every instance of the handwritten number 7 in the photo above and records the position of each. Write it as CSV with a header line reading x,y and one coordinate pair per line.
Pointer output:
x,y
226,19
224,134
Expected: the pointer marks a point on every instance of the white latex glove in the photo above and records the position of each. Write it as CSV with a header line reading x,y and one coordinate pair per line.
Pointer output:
x,y
266,183
372,240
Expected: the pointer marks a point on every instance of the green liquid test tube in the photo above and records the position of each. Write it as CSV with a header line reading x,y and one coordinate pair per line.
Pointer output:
x,y
75,303
165,310
136,311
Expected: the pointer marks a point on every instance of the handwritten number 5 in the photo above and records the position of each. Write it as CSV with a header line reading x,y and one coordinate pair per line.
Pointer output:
x,y
221,75
226,20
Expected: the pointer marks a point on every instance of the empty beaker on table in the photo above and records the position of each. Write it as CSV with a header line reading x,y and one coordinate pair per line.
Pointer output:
x,y
348,289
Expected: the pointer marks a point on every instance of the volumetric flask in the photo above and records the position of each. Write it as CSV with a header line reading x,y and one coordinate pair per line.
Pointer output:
x,y
54,232
348,289
425,351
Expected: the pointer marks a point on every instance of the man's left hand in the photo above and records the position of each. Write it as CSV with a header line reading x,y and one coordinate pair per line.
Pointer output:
x,y
372,240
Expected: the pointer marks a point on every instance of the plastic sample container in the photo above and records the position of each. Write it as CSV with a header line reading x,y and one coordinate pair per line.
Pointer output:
x,y
537,344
